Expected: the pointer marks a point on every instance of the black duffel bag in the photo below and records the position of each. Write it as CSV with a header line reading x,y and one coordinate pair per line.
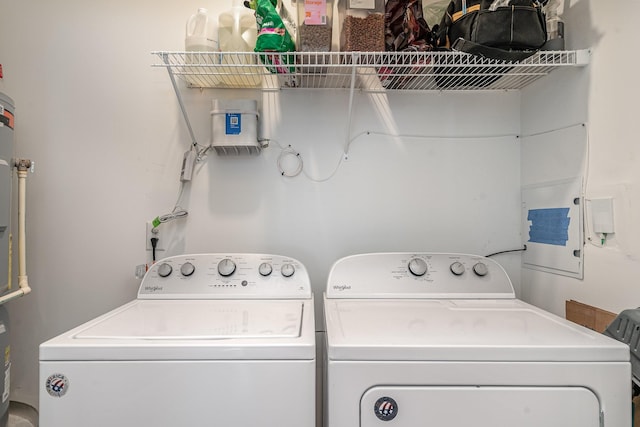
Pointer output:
x,y
506,30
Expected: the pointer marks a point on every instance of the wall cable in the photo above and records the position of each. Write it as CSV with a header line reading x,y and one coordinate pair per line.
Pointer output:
x,y
524,248
585,182
289,151
177,211
418,136
545,132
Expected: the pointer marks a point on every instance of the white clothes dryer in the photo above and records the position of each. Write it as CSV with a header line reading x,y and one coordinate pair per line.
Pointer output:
x,y
417,339
211,340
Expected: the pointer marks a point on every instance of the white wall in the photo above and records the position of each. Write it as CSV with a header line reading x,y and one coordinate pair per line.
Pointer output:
x,y
104,129
107,137
604,97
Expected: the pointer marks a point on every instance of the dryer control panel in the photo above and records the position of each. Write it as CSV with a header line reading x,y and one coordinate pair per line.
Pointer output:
x,y
226,276
418,275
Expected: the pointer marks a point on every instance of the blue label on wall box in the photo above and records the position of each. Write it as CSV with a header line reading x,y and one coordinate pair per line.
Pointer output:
x,y
549,226
233,123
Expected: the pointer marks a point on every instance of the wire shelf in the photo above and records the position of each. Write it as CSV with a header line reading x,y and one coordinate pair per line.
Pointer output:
x,y
367,71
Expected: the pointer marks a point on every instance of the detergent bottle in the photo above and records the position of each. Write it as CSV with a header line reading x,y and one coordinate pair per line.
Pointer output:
x,y
237,34
201,36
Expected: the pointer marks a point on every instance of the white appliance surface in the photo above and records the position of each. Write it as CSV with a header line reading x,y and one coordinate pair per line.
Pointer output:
x,y
211,338
488,330
184,320
441,337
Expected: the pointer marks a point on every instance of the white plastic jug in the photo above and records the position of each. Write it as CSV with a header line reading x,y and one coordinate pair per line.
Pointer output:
x,y
201,33
201,36
237,32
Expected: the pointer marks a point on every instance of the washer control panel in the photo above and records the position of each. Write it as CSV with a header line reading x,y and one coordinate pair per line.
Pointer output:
x,y
226,276
418,275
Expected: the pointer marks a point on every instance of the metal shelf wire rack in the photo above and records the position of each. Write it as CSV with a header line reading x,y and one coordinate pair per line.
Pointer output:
x,y
366,71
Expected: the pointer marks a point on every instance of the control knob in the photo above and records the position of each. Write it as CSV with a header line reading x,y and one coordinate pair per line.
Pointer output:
x,y
226,267
287,270
457,268
164,270
187,269
418,267
265,269
480,269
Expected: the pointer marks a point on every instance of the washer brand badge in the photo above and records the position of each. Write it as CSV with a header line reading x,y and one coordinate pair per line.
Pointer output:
x,y
153,288
57,385
386,408
341,287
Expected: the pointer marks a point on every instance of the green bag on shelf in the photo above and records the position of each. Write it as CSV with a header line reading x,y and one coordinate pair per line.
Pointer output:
x,y
273,37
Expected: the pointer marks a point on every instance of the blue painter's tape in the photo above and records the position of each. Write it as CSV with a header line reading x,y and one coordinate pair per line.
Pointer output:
x,y
549,226
233,123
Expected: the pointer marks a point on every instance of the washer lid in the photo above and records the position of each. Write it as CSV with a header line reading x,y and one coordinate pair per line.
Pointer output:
x,y
192,329
199,320
459,330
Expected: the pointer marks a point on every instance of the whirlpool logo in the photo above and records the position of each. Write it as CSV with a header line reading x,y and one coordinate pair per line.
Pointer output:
x,y
341,287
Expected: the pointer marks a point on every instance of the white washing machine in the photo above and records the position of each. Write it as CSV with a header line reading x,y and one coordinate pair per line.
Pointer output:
x,y
211,340
417,339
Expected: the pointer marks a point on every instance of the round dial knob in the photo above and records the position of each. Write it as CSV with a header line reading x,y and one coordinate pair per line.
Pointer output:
x,y
226,267
480,269
457,268
287,270
164,270
418,267
187,269
265,269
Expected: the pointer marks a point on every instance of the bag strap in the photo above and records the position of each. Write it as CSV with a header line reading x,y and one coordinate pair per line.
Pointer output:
x,y
467,46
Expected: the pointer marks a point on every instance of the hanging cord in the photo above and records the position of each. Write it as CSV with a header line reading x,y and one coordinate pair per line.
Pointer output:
x,y
176,213
524,248
154,243
289,152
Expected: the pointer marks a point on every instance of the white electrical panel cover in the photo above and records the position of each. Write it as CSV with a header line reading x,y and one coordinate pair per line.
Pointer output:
x,y
552,227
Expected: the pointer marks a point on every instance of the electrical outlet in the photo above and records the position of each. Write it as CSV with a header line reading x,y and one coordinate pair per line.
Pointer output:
x,y
155,232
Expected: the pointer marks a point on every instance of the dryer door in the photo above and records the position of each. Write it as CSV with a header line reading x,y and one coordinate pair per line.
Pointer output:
x,y
479,406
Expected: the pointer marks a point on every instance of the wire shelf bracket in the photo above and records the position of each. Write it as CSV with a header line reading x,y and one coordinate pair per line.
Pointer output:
x,y
362,71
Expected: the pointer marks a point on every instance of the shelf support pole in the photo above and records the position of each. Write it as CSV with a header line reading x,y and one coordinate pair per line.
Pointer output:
x,y
355,59
194,143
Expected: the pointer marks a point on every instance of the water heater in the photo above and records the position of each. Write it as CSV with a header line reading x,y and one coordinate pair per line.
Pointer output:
x,y
6,173
6,170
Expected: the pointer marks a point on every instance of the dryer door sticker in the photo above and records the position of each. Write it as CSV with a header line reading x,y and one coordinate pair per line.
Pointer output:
x,y
57,385
549,226
385,408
